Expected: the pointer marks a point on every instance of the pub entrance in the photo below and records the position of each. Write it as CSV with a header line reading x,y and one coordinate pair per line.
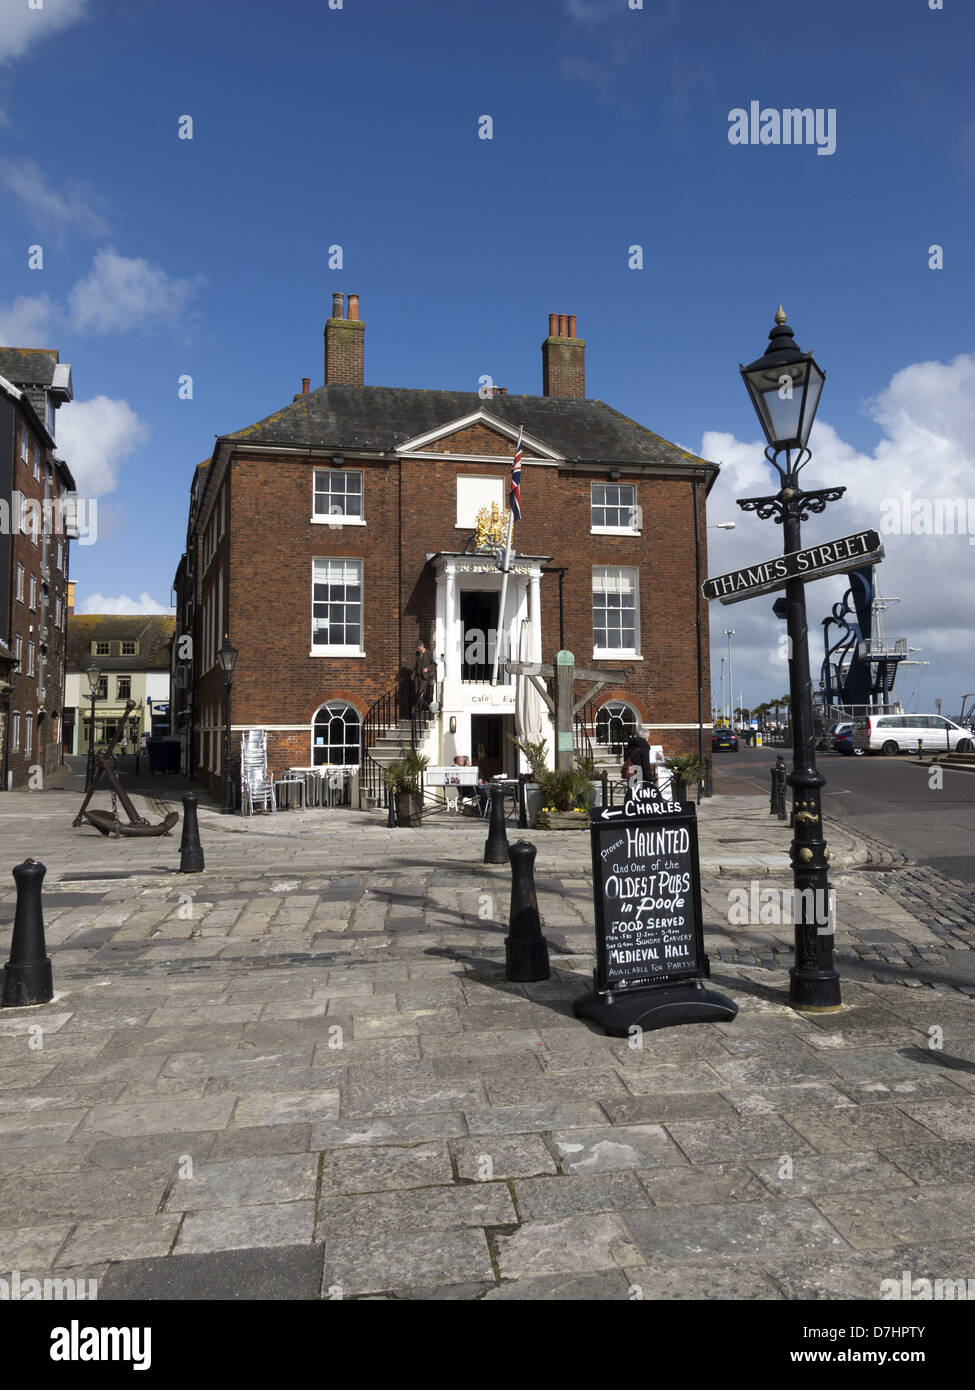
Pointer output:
x,y
479,625
491,752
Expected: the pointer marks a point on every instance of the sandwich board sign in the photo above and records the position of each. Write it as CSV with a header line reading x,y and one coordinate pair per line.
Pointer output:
x,y
815,562
651,968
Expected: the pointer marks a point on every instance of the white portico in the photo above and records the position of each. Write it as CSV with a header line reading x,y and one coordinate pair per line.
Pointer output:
x,y
475,716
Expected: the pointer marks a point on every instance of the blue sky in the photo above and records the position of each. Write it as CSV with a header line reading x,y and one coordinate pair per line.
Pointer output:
x,y
358,126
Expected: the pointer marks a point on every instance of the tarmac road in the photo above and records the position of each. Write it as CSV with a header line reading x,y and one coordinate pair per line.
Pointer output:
x,y
890,798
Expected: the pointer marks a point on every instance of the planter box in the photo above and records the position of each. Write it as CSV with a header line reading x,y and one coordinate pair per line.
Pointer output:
x,y
562,820
408,805
533,803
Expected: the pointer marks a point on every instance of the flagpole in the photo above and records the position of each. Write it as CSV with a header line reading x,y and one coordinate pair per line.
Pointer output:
x,y
504,594
514,505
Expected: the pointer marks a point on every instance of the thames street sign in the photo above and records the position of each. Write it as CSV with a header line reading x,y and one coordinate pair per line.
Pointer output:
x,y
816,562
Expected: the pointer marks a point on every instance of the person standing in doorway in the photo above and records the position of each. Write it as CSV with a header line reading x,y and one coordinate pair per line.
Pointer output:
x,y
424,675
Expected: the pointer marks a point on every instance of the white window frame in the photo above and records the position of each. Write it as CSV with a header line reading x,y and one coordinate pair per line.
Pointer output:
x,y
28,734
607,570
634,530
60,555
118,687
128,642
482,491
20,582
15,731
102,644
321,649
24,445
338,518
32,589
30,658
334,706
19,651
37,461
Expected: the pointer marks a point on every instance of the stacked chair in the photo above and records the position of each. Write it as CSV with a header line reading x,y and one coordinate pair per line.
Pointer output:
x,y
256,788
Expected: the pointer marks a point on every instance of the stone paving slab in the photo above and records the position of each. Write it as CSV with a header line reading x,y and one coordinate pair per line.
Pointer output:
x,y
320,1084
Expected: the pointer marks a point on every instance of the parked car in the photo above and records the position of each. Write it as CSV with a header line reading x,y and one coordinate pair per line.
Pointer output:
x,y
901,733
724,738
841,738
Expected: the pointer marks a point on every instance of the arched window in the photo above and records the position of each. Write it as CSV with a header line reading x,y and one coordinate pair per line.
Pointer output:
x,y
615,722
336,730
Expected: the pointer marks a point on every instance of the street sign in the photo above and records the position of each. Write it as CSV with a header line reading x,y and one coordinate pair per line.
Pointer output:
x,y
816,562
651,968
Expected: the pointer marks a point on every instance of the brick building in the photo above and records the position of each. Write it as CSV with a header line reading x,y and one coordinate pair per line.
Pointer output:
x,y
36,524
328,538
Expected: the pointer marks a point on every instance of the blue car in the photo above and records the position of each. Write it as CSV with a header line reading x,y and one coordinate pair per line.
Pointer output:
x,y
842,740
724,738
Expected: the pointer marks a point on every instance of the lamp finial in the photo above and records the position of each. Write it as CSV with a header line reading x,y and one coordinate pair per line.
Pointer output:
x,y
780,315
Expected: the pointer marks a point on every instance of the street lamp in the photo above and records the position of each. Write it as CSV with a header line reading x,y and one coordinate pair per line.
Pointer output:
x,y
784,387
94,676
721,659
228,660
729,632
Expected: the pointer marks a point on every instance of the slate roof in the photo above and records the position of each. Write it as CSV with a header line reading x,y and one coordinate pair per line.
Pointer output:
x,y
377,419
28,366
153,632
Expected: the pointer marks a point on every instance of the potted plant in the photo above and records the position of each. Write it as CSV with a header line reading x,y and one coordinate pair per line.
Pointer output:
x,y
403,777
587,766
566,799
686,770
536,755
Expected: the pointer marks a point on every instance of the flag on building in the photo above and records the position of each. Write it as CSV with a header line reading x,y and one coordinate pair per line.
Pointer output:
x,y
514,492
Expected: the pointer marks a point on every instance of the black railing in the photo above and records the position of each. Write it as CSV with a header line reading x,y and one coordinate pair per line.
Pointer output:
x,y
384,715
389,712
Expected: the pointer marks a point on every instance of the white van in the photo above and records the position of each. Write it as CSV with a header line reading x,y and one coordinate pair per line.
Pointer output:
x,y
900,733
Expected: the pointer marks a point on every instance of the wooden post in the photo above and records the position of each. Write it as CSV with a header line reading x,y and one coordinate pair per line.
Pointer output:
x,y
564,689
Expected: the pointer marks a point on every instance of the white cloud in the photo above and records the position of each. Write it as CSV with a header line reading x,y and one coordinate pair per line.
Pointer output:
x,y
72,204
98,603
94,437
27,321
21,26
121,292
926,450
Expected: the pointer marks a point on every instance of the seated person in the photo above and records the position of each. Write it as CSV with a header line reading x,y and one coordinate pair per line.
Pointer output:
x,y
468,793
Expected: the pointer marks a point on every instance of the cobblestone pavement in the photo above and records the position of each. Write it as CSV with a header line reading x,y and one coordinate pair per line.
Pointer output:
x,y
302,1074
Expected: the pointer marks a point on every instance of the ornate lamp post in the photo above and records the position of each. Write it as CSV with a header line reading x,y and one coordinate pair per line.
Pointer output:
x,y
94,676
228,660
784,387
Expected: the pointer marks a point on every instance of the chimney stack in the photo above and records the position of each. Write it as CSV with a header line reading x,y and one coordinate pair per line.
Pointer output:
x,y
305,384
345,344
563,359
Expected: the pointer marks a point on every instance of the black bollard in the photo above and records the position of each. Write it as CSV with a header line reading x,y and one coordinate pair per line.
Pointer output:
x,y
190,849
525,948
781,773
391,813
496,844
28,978
773,804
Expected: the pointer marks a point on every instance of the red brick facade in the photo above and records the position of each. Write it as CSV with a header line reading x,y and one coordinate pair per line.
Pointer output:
x,y
257,538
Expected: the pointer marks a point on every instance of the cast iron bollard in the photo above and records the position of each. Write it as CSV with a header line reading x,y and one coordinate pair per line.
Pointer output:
x,y
190,849
525,948
773,804
28,978
391,813
779,785
496,844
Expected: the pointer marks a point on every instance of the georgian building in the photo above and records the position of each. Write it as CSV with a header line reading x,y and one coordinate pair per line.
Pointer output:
x,y
328,538
36,524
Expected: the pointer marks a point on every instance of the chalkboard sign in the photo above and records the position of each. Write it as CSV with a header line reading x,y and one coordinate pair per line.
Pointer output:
x,y
647,894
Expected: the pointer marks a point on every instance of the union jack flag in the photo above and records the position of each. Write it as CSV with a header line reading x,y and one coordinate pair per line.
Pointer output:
x,y
514,491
